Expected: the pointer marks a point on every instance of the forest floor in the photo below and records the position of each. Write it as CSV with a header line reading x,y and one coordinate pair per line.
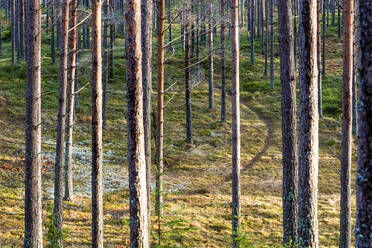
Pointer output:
x,y
197,197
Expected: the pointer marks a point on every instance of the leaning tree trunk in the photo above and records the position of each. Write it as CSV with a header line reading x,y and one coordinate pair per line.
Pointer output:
x,y
33,208
308,144
210,58
363,238
146,36
235,123
288,82
223,74
97,191
160,117
70,103
347,78
139,230
60,146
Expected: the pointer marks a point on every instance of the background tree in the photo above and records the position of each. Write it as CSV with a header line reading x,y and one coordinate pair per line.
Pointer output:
x,y
288,82
61,126
210,58
308,144
271,5
364,170
346,144
33,208
187,77
139,235
223,76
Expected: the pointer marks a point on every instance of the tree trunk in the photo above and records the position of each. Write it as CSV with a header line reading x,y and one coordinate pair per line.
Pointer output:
x,y
105,73
97,202
52,33
345,202
288,82
187,81
223,74
324,37
13,31
33,208
210,59
169,21
160,118
308,144
266,35
235,123
295,3
139,230
21,27
60,146
70,103
363,238
146,36
252,33
318,54
271,44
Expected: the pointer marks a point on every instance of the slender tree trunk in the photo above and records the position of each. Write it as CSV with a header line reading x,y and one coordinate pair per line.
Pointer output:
x,y
324,37
112,41
97,191
295,3
235,124
169,21
308,144
252,30
21,27
105,76
160,118
266,35
52,33
146,36
187,82
223,74
197,44
1,43
363,238
262,27
33,208
338,22
70,103
355,98
13,31
60,146
271,44
139,230
210,59
288,82
318,54
345,202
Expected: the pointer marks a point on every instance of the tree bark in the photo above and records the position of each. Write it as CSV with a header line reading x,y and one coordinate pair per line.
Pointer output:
x,y
139,234
266,35
97,191
21,28
236,221
160,117
308,145
60,146
52,33
271,44
13,31
318,54
363,238
288,82
187,81
105,73
70,104
210,59
346,145
146,36
33,208
223,74
252,30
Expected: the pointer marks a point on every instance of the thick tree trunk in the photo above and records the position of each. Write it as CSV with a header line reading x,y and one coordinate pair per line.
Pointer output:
x,y
271,44
288,82
210,59
235,123
160,117
139,230
345,202
70,103
308,144
223,74
60,146
146,36
187,82
33,208
97,191
363,238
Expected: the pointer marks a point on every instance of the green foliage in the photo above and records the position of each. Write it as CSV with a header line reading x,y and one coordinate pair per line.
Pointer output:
x,y
53,235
